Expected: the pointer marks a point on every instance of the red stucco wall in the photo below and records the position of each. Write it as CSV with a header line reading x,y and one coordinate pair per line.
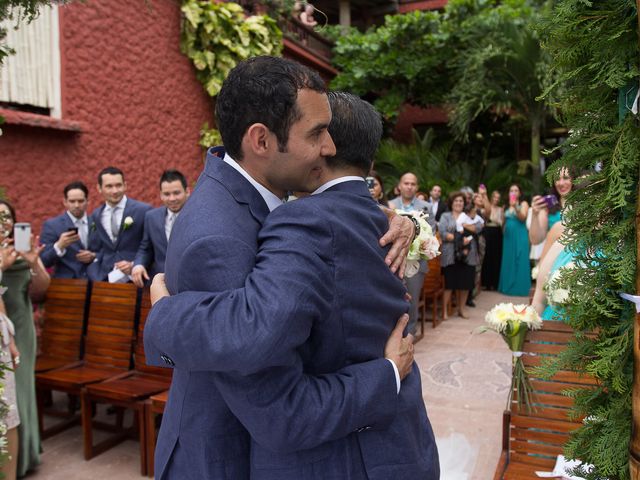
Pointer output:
x,y
135,95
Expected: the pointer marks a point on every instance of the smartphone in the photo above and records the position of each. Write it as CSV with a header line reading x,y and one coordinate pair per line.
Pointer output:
x,y
551,200
513,197
73,229
22,237
371,182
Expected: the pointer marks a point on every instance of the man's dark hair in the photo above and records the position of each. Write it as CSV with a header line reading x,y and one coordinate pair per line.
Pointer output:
x,y
356,129
262,90
77,185
173,175
109,171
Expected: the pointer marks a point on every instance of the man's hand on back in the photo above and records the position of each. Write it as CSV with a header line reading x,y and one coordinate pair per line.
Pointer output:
x,y
399,349
158,288
400,235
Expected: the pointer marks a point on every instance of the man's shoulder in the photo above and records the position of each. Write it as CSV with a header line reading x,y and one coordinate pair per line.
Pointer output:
x,y
137,204
155,214
54,222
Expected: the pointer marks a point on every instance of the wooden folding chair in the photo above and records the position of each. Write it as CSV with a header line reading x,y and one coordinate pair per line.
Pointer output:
x,y
533,439
154,406
65,312
432,292
128,391
108,344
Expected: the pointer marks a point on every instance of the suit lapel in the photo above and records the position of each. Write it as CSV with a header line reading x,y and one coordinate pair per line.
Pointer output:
x,y
128,210
239,187
160,226
97,221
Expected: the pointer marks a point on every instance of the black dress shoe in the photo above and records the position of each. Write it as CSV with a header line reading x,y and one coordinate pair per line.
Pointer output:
x,y
471,303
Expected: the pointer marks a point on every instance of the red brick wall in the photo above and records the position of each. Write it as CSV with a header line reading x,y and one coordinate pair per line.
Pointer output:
x,y
134,94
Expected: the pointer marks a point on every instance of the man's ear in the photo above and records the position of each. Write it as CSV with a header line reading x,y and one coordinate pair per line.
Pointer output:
x,y
258,139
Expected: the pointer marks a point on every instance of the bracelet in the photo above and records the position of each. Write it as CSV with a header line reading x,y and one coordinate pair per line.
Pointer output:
x,y
416,225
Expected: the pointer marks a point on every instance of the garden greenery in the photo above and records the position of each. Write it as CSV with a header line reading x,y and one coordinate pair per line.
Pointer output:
x,y
217,36
595,54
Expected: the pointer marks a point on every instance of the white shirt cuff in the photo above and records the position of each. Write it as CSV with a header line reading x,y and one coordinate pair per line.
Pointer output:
x,y
396,373
59,252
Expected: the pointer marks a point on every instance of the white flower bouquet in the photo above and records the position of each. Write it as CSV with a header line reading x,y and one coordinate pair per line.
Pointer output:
x,y
512,322
424,247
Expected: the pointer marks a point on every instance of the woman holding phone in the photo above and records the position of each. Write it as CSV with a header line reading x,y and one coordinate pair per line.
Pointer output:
x,y
23,274
547,210
515,273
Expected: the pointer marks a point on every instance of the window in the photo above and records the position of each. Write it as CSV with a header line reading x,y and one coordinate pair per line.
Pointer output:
x,y
30,79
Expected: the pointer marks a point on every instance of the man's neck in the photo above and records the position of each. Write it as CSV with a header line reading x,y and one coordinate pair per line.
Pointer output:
x,y
255,173
72,215
408,201
333,174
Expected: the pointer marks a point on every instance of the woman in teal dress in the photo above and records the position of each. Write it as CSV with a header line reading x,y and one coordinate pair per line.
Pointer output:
x,y
551,312
23,275
542,216
515,272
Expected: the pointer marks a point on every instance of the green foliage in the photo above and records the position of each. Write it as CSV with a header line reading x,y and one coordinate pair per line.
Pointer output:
x,y
594,50
217,36
209,137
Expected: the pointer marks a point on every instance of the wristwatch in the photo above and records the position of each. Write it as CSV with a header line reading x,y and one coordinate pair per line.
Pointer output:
x,y
415,224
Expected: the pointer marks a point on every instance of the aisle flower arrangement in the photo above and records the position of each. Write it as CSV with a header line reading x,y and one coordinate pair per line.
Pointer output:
x,y
512,323
424,247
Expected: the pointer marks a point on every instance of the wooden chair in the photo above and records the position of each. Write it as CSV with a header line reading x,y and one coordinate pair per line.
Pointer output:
x,y
154,406
128,391
108,344
532,440
65,312
432,292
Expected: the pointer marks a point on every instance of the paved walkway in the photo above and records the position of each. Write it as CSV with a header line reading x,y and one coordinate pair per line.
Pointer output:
x,y
465,379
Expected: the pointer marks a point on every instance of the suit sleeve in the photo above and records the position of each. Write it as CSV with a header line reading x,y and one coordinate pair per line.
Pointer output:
x,y
48,237
144,256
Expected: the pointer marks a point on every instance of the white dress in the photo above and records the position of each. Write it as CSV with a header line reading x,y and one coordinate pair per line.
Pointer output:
x,y
8,384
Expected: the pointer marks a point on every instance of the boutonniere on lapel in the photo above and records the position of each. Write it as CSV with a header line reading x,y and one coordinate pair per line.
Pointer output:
x,y
127,223
92,227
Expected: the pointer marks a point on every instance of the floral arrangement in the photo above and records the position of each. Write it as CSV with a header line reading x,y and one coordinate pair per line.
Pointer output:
x,y
534,272
4,404
424,247
512,322
557,294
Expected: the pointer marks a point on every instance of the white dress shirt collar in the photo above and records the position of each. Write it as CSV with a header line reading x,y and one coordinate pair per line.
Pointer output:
x,y
269,197
336,181
121,204
83,220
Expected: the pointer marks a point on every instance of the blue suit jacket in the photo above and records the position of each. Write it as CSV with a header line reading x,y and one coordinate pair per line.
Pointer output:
x,y
127,244
66,266
213,248
322,295
153,248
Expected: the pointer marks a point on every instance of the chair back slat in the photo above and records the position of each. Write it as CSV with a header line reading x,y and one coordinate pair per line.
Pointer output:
x,y
139,357
65,311
433,278
538,436
110,328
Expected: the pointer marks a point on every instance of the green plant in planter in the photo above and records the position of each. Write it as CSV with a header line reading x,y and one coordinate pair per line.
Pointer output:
x,y
217,36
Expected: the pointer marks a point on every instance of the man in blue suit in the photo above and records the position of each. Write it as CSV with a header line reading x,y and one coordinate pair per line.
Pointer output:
x,y
66,237
335,300
158,224
273,116
117,228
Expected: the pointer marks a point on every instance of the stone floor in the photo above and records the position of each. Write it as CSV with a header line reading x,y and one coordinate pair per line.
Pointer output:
x,y
465,380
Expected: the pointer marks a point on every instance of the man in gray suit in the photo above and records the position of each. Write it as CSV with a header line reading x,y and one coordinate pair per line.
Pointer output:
x,y
407,202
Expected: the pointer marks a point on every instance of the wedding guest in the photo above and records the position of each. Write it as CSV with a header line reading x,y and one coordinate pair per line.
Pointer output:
x,y
66,237
493,241
158,224
515,272
544,215
377,192
23,274
459,252
117,228
306,17
422,196
438,207
476,213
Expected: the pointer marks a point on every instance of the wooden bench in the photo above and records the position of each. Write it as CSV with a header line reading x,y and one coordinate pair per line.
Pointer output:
x,y
532,440
128,391
65,313
108,344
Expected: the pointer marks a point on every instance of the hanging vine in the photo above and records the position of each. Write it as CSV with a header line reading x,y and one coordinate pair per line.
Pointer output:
x,y
594,47
216,37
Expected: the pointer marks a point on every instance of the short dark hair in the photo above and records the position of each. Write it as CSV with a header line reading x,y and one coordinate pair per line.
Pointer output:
x,y
262,90
77,185
356,129
453,197
172,175
109,171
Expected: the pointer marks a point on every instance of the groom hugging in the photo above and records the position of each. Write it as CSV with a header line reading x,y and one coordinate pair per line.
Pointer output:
x,y
294,311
